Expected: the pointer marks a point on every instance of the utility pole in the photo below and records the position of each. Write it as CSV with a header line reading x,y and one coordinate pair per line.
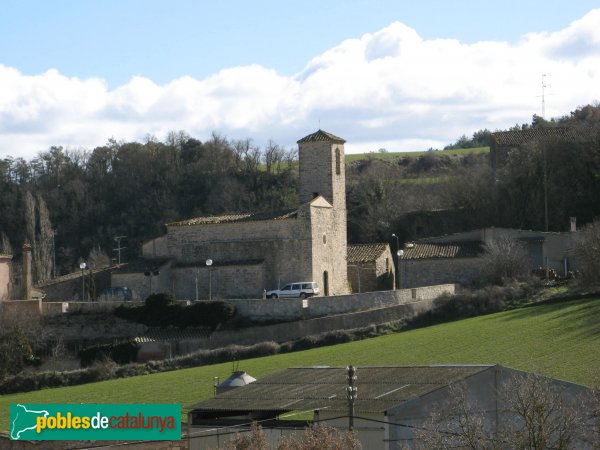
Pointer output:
x,y
351,393
119,248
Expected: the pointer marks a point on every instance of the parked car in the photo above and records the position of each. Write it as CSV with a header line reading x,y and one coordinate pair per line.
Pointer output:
x,y
120,293
301,289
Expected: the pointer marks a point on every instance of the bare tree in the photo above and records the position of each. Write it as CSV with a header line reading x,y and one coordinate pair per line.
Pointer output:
x,y
504,260
316,437
533,413
256,440
457,423
321,437
539,415
273,157
587,249
97,258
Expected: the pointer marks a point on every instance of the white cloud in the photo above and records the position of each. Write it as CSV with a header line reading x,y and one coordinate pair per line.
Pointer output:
x,y
389,89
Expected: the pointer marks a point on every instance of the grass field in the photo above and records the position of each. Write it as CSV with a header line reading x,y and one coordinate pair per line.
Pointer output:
x,y
559,340
393,155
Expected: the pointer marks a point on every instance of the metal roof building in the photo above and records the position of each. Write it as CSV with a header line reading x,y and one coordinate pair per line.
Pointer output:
x,y
392,402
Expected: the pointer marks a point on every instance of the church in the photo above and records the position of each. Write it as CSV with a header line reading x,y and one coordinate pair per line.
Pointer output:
x,y
241,255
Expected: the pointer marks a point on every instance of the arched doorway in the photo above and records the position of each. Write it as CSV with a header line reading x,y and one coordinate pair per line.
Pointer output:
x,y
325,283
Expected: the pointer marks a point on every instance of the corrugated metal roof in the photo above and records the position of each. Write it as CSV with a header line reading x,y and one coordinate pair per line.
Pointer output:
x,y
520,137
240,217
379,388
321,136
358,253
468,249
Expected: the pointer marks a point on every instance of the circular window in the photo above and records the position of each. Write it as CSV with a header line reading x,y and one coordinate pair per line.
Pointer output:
x,y
324,239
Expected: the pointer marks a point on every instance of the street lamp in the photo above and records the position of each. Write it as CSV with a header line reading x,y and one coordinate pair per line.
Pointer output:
x,y
398,264
209,265
150,273
82,266
400,255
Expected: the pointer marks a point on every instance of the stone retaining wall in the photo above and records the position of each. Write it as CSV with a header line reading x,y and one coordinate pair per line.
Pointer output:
x,y
295,308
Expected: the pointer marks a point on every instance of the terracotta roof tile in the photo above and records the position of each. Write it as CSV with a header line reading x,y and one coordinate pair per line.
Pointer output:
x,y
321,136
520,137
240,217
468,249
365,252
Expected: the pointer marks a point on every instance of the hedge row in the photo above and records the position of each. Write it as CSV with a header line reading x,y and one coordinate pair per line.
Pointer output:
x,y
108,369
161,310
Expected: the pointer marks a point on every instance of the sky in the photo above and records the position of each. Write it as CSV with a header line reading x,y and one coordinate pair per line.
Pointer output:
x,y
400,75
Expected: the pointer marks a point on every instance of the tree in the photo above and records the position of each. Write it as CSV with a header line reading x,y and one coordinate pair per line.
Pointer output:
x,y
587,250
504,260
542,417
315,437
533,414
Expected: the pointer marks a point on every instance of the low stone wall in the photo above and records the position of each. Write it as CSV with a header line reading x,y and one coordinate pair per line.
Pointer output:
x,y
294,330
55,308
24,308
296,309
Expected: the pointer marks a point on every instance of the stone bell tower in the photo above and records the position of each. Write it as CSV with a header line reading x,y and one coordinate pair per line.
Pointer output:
x,y
322,173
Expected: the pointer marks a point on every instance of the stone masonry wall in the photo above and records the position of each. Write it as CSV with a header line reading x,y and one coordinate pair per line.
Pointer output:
x,y
5,262
294,330
292,308
426,272
284,246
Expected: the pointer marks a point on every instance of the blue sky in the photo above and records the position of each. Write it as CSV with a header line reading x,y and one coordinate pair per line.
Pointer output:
x,y
395,74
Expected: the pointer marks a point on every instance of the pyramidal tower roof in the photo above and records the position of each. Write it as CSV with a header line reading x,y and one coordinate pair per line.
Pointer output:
x,y
322,136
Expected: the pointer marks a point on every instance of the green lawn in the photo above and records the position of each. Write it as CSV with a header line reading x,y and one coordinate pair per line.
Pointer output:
x,y
393,155
559,340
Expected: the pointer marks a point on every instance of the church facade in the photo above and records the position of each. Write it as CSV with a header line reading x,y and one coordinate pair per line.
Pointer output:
x,y
240,255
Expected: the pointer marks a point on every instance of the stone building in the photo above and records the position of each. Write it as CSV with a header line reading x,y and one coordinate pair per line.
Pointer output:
x,y
370,267
457,258
240,255
5,262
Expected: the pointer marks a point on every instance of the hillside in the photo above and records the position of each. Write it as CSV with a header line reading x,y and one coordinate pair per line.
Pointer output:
x,y
394,155
559,340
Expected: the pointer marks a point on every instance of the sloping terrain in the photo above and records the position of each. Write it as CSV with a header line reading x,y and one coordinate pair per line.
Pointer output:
x,y
559,340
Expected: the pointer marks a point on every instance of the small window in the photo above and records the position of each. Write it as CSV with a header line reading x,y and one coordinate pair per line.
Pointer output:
x,y
296,287
287,287
324,239
387,264
338,162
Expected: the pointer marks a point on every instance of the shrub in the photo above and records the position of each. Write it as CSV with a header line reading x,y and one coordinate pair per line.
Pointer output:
x,y
160,310
159,301
122,353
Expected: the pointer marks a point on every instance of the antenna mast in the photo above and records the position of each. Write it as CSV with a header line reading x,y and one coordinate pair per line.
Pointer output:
x,y
119,248
544,86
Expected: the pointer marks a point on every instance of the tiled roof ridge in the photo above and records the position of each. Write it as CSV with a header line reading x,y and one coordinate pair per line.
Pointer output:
x,y
236,217
515,137
433,250
321,136
365,252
